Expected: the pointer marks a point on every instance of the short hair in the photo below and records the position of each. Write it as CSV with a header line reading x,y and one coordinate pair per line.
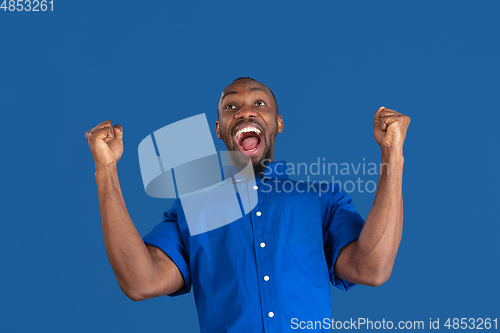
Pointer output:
x,y
252,79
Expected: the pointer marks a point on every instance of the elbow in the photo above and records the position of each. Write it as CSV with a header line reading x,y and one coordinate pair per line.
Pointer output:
x,y
374,276
377,279
135,296
134,293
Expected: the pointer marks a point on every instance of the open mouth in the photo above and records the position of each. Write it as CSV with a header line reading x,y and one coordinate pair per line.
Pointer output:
x,y
249,139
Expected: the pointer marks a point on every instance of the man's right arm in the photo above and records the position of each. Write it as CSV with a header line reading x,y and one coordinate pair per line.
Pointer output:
x,y
142,271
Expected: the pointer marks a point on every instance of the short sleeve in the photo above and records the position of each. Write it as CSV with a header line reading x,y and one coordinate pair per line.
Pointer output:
x,y
343,226
167,237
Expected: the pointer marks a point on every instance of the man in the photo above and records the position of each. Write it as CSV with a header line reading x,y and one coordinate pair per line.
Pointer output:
x,y
276,263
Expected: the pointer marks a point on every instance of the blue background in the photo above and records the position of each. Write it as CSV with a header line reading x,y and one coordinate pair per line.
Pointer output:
x,y
330,64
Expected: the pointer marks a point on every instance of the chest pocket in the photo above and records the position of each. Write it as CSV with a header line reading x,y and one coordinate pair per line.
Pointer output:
x,y
304,234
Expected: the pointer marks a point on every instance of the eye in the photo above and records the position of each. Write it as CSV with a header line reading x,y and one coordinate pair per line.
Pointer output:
x,y
260,103
229,106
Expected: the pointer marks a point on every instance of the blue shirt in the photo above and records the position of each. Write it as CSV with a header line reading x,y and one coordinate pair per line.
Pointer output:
x,y
258,273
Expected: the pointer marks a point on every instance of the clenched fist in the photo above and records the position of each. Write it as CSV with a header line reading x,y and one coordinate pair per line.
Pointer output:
x,y
105,143
390,128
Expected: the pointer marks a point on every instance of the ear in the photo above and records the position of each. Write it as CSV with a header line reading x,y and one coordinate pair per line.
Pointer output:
x,y
217,129
280,124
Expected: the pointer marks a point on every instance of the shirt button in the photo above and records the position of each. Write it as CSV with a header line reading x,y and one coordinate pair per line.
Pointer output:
x,y
266,278
262,244
271,314
255,187
258,213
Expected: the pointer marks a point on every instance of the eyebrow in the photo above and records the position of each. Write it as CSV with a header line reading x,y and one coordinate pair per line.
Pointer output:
x,y
235,92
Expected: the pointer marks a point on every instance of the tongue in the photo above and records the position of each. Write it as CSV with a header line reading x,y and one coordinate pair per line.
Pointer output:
x,y
250,143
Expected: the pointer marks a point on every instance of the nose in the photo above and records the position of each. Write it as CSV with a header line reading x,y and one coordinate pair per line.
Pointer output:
x,y
245,112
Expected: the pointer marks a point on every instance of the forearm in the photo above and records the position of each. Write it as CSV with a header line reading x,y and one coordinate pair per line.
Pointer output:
x,y
380,237
127,253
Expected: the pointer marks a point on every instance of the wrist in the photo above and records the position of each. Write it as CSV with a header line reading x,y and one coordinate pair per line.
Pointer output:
x,y
392,161
392,153
105,171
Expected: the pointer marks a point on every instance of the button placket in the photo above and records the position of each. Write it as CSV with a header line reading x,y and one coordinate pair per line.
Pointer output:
x,y
264,261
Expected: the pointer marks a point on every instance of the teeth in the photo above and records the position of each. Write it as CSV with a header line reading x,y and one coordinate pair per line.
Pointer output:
x,y
248,150
247,129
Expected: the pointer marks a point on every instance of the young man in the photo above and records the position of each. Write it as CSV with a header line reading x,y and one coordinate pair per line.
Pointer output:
x,y
274,264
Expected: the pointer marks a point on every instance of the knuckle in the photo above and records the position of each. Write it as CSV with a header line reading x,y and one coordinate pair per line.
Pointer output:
x,y
403,118
95,133
104,129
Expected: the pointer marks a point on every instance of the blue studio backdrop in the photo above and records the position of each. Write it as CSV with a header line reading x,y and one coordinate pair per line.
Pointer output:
x,y
331,65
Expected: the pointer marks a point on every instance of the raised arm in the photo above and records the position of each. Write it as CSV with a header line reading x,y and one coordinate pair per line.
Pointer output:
x,y
369,260
142,271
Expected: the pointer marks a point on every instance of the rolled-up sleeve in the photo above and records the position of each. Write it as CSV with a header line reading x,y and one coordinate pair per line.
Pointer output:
x,y
167,237
343,226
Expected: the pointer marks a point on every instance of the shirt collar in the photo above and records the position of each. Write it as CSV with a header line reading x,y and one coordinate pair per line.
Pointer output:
x,y
276,170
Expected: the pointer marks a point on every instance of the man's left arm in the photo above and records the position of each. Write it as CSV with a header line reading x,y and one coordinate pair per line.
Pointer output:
x,y
369,259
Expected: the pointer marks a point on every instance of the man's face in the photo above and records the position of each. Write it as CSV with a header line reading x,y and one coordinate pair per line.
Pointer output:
x,y
248,122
